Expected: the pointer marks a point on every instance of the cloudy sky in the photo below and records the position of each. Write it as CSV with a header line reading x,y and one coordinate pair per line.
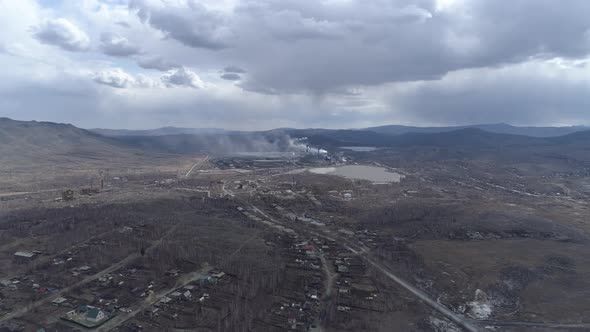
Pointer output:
x,y
259,64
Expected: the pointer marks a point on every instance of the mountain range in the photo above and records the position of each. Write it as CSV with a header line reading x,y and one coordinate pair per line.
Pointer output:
x,y
499,128
24,142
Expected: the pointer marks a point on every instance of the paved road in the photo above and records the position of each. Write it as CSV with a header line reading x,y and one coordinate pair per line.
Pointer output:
x,y
461,321
181,282
23,310
556,326
153,299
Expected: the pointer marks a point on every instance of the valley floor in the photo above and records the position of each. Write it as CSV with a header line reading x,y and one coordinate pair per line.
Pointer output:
x,y
202,244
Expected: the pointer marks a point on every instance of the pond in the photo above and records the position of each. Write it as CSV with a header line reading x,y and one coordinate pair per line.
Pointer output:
x,y
370,173
360,148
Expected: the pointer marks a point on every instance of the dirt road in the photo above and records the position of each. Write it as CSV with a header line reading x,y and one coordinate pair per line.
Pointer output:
x,y
154,298
197,164
25,309
330,276
362,253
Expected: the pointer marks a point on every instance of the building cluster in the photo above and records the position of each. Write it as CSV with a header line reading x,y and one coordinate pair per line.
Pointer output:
x,y
297,303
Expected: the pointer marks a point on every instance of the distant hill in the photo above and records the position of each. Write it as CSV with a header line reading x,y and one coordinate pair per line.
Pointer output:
x,y
30,142
500,128
157,132
581,137
465,138
24,143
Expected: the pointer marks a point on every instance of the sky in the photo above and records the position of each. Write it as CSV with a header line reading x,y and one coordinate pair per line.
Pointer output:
x,y
261,64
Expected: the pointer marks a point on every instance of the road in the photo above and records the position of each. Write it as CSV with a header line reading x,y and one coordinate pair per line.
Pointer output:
x,y
153,299
330,276
466,323
44,259
208,192
461,321
225,191
556,326
197,164
181,282
25,309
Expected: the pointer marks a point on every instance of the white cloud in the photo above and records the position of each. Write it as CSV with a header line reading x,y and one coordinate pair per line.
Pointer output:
x,y
62,33
144,81
118,78
183,77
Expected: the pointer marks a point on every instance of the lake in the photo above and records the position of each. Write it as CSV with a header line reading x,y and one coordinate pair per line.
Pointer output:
x,y
369,173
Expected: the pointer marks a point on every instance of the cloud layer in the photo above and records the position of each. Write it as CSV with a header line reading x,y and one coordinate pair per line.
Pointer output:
x,y
301,63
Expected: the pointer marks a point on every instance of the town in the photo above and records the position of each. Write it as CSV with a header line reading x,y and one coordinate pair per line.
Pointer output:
x,y
276,245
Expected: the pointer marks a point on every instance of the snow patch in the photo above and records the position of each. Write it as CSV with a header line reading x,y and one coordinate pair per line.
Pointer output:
x,y
443,325
480,308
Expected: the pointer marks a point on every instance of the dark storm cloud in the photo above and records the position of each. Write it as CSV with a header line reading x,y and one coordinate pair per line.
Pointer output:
x,y
482,97
116,45
231,77
156,62
192,25
306,45
378,49
347,63
234,69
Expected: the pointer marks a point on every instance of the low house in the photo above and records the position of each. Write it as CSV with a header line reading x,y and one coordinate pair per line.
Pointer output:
x,y
175,294
24,256
172,273
94,315
342,269
343,291
59,300
165,300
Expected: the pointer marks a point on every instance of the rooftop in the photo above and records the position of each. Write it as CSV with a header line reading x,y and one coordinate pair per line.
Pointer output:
x,y
25,254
